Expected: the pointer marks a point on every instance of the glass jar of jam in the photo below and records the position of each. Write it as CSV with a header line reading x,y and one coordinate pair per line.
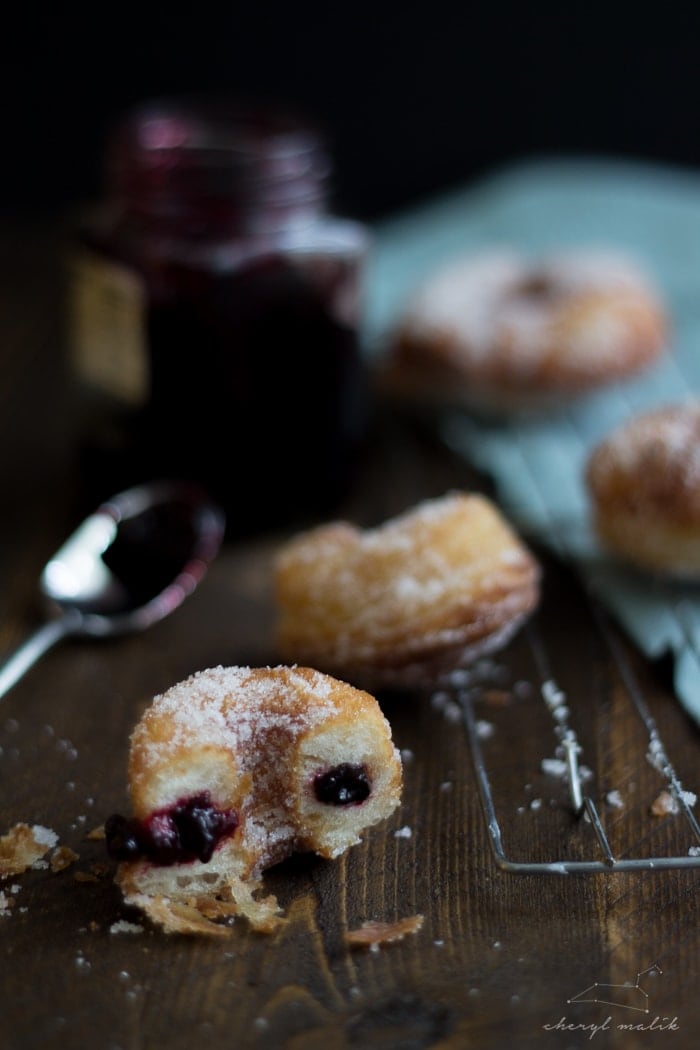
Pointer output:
x,y
215,313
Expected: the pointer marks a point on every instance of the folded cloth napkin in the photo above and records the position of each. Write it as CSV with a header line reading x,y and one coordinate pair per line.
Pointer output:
x,y
651,211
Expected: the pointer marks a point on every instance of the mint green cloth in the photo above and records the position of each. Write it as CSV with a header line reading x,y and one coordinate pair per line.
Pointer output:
x,y
649,211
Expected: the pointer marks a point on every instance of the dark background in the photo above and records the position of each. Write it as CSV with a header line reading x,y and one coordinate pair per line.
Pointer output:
x,y
415,97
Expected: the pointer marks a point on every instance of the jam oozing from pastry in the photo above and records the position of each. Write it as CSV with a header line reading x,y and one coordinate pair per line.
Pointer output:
x,y
189,830
343,785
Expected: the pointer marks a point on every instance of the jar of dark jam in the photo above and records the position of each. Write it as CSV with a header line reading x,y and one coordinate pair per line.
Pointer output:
x,y
215,313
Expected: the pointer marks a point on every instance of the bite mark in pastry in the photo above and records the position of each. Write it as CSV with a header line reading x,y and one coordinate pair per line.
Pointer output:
x,y
235,769
406,602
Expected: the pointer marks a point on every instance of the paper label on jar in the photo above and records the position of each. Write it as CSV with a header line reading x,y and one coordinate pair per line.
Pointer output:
x,y
106,322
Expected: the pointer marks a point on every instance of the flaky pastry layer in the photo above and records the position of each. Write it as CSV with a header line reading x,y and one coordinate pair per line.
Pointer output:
x,y
408,601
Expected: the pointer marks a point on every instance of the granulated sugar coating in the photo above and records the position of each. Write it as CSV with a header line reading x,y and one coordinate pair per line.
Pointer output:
x,y
201,708
643,481
503,333
259,763
409,600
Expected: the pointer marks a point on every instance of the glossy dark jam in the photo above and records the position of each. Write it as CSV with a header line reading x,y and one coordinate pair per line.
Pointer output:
x,y
151,548
251,313
190,830
343,785
257,389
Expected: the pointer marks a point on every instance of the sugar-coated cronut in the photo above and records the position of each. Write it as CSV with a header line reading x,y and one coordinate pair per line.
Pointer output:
x,y
233,770
406,602
644,485
501,332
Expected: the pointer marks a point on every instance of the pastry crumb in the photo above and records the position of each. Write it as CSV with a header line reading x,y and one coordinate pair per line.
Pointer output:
x,y
664,804
62,858
372,934
85,876
24,847
497,697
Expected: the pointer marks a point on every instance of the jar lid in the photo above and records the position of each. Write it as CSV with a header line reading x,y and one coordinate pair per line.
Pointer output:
x,y
170,155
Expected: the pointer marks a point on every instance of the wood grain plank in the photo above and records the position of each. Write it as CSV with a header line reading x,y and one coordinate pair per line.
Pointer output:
x,y
500,956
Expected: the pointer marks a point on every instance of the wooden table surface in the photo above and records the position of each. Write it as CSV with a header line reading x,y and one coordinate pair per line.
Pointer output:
x,y
500,956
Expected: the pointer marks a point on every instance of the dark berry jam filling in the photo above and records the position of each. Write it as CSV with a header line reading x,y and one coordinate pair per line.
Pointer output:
x,y
343,785
189,830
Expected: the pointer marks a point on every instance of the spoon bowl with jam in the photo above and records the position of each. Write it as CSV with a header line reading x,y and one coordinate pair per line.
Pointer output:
x,y
127,566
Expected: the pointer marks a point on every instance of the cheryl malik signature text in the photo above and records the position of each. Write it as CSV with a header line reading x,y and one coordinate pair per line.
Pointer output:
x,y
659,1024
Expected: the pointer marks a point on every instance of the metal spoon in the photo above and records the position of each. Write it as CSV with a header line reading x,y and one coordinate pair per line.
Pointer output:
x,y
128,565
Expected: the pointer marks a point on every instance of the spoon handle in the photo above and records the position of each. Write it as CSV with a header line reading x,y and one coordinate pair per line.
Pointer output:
x,y
33,648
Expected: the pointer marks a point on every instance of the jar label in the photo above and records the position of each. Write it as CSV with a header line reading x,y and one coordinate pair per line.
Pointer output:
x,y
106,327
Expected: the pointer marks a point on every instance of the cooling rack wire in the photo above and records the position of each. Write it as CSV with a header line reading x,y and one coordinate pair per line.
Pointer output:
x,y
584,809
538,477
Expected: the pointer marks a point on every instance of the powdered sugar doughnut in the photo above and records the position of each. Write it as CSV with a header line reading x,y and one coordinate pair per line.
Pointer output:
x,y
644,485
408,601
500,332
233,770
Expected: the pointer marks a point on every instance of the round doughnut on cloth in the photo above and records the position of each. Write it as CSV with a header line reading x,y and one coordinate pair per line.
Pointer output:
x,y
502,332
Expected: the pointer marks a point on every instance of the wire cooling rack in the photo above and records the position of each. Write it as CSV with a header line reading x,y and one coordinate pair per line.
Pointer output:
x,y
578,825
538,470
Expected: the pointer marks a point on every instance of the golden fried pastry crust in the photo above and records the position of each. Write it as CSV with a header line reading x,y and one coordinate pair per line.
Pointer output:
x,y
502,333
233,770
402,603
644,486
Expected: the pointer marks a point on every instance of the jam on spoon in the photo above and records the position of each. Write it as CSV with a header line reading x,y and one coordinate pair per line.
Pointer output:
x,y
128,565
